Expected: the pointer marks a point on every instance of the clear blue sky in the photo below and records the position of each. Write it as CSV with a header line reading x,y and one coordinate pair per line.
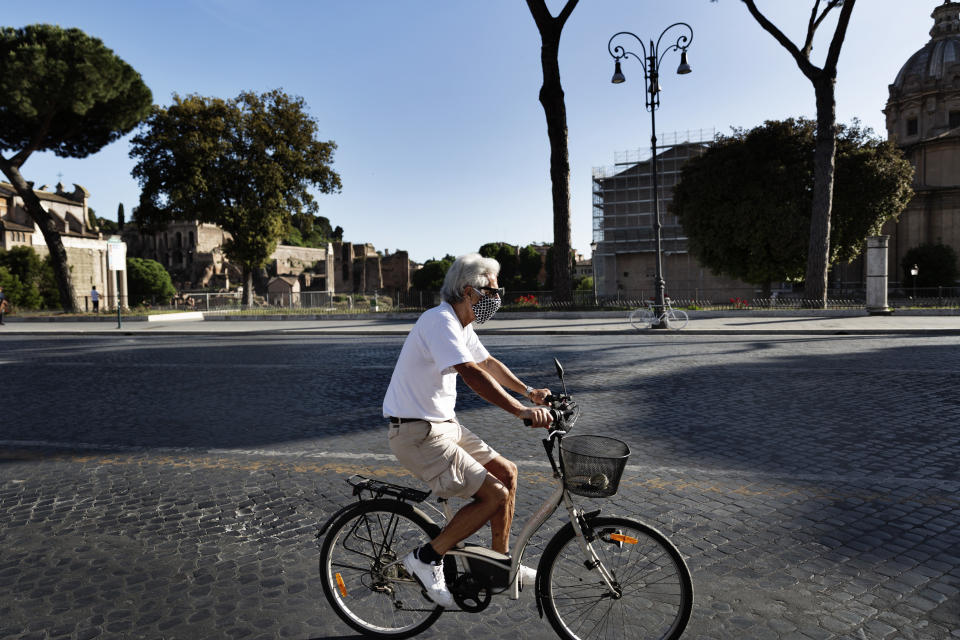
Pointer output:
x,y
433,103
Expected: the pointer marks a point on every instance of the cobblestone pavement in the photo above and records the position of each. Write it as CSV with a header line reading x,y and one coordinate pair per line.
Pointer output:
x,y
171,486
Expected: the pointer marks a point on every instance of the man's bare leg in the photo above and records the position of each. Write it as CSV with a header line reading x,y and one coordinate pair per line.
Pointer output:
x,y
488,501
500,522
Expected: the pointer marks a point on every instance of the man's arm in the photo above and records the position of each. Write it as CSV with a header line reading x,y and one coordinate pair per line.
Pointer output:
x,y
502,374
488,387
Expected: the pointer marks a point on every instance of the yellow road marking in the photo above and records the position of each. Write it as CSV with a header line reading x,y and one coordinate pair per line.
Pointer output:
x,y
186,461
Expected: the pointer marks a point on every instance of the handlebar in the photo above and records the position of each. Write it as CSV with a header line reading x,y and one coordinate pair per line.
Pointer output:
x,y
563,412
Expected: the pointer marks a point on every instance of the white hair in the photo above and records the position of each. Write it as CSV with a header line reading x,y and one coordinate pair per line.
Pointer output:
x,y
470,270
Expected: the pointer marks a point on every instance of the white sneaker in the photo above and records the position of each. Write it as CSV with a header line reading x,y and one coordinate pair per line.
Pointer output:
x,y
430,577
528,576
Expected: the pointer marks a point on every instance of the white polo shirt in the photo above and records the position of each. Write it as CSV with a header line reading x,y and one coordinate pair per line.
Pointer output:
x,y
424,382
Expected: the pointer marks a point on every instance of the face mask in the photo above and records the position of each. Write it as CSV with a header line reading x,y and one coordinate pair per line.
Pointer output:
x,y
485,308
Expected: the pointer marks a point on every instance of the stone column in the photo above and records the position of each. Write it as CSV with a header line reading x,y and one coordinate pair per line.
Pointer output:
x,y
330,269
877,275
122,288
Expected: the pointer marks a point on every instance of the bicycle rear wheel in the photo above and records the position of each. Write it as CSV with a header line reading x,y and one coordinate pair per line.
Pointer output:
x,y
362,577
641,318
677,319
655,593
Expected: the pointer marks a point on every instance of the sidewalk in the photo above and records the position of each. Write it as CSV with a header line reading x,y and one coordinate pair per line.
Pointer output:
x,y
558,323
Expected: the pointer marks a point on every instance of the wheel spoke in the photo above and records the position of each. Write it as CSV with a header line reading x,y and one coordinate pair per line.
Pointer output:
x,y
654,594
364,549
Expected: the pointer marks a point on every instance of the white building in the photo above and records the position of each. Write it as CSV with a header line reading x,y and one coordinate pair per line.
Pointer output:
x,y
85,246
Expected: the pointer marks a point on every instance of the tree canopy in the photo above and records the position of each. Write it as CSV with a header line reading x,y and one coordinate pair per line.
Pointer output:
x,y
62,91
936,265
745,204
148,281
506,255
519,267
309,230
530,264
430,276
246,165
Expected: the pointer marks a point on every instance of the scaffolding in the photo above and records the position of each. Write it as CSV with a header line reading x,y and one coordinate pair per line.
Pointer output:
x,y
623,201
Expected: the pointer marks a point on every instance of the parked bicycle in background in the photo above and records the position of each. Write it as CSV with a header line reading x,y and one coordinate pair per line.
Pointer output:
x,y
647,317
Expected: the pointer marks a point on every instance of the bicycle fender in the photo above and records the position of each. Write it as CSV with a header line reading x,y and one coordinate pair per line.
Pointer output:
x,y
383,503
326,525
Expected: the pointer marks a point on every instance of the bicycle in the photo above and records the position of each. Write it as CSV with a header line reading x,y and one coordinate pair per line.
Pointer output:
x,y
647,317
598,577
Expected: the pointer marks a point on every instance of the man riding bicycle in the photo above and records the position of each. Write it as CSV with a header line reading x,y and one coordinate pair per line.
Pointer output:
x,y
424,433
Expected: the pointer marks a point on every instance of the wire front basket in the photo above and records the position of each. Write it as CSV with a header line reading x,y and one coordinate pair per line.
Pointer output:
x,y
592,465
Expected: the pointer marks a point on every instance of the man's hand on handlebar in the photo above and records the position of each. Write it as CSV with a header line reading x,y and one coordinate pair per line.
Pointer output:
x,y
536,417
539,396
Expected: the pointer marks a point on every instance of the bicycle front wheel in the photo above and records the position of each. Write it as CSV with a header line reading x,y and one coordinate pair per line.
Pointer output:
x,y
653,591
677,319
641,318
362,576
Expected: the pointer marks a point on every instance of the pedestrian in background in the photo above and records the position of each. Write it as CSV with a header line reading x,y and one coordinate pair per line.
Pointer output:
x,y
3,305
95,299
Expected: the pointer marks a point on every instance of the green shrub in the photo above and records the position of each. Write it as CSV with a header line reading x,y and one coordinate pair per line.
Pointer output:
x,y
147,280
30,279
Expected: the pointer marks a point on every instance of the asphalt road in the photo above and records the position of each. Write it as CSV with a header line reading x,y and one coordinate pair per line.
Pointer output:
x,y
170,486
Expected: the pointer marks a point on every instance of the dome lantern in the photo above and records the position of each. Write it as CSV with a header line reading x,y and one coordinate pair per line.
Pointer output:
x,y
946,21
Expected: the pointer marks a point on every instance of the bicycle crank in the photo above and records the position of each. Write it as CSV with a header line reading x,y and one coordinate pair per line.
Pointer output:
x,y
472,593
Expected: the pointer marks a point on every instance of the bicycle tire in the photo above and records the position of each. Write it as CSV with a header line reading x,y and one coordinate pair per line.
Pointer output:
x,y
641,318
677,319
657,592
378,602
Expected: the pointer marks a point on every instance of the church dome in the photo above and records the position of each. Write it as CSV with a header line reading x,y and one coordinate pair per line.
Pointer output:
x,y
934,61
924,102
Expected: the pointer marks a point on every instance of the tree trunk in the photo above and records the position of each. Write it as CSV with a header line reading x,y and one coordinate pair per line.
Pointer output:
x,y
551,97
247,286
48,227
824,159
554,107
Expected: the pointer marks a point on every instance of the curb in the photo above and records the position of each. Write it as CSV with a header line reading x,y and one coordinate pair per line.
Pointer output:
x,y
501,332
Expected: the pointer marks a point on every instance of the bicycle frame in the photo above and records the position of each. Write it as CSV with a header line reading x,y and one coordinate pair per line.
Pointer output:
x,y
516,551
530,527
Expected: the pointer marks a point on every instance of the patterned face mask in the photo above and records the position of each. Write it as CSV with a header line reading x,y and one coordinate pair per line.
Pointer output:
x,y
485,308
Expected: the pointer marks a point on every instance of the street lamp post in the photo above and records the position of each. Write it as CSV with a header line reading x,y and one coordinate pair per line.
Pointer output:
x,y
914,271
651,72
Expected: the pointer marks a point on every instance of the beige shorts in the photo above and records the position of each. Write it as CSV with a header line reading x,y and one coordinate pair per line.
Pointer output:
x,y
447,456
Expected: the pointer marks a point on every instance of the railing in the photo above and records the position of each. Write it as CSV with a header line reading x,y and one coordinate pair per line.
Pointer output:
x,y
321,302
303,302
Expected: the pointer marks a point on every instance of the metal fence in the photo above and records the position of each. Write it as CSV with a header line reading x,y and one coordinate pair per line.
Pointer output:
x,y
321,302
313,302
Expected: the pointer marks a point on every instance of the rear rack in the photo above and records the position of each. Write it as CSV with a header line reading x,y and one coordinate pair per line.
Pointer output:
x,y
379,489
